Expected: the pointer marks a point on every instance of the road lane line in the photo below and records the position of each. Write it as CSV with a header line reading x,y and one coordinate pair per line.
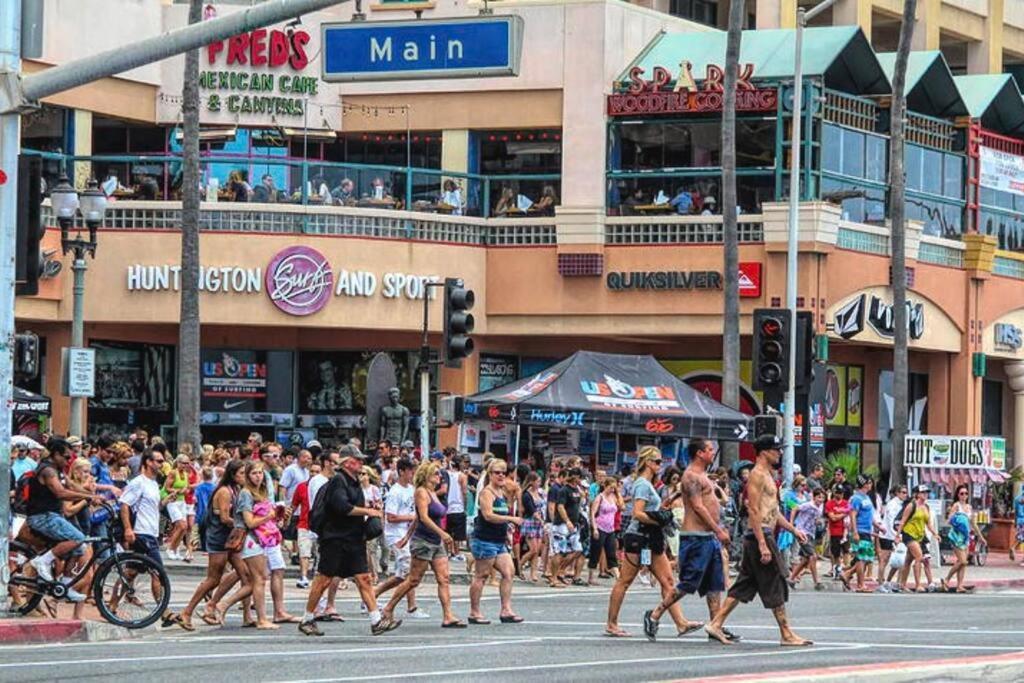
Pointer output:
x,y
566,665
286,654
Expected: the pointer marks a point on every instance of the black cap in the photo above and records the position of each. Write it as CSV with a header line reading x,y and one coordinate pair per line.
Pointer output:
x,y
768,442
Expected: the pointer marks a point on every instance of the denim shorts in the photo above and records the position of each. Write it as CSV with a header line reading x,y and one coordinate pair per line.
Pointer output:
x,y
56,528
486,550
149,546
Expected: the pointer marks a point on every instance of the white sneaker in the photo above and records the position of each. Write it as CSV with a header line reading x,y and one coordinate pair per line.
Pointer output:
x,y
43,568
362,608
74,596
302,583
172,555
457,558
418,614
645,580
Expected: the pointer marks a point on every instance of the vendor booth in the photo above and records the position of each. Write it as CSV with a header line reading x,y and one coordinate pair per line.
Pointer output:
x,y
606,394
944,462
30,412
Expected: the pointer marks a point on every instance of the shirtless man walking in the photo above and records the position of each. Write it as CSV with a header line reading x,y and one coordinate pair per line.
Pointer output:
x,y
700,542
761,569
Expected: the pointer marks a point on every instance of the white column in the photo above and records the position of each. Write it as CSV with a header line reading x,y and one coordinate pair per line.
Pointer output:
x,y
1015,375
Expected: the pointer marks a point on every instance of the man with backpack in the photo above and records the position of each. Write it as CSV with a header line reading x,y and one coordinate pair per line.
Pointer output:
x,y
43,495
338,517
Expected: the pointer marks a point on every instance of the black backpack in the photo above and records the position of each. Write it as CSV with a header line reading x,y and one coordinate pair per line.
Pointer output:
x,y
318,509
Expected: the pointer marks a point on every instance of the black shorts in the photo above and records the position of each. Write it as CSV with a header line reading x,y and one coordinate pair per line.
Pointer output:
x,y
148,546
632,544
457,525
885,544
757,578
291,532
837,546
342,559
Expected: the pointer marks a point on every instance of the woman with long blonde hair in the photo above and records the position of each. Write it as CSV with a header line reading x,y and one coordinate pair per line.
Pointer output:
x,y
644,544
430,547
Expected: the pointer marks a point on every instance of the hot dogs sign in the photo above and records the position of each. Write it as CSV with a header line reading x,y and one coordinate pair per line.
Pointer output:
x,y
955,452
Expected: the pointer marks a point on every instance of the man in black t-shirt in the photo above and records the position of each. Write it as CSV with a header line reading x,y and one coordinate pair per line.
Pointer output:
x,y
343,544
565,527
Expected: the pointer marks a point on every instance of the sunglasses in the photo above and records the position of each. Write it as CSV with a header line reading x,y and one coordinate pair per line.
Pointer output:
x,y
501,472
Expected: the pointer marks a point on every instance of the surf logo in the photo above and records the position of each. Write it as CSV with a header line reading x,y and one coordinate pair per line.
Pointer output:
x,y
618,395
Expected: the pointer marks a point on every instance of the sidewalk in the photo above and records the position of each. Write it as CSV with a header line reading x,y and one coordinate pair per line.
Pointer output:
x,y
23,631
997,574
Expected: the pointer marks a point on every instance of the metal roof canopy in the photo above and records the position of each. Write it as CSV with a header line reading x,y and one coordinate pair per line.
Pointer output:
x,y
930,87
841,55
995,100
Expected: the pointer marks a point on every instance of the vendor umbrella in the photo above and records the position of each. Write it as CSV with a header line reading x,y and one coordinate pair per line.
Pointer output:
x,y
610,393
28,403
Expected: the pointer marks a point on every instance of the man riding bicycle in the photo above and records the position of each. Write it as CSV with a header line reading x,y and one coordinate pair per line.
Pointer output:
x,y
46,516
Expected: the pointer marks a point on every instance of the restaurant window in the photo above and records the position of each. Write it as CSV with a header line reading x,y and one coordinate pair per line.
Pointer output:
x,y
384,149
853,153
701,11
520,154
935,190
1001,214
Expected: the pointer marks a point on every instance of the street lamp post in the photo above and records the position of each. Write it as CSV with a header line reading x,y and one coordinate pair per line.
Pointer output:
x,y
92,204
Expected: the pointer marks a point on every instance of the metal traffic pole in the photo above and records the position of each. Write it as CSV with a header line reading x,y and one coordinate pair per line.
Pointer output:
x,y
18,93
793,245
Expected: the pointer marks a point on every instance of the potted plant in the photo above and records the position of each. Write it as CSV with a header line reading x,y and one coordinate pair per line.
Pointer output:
x,y
1002,535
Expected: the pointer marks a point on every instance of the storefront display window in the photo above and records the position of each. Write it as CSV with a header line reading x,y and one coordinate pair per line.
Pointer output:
x,y
134,387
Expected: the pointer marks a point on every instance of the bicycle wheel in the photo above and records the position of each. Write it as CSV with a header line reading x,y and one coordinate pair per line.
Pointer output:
x,y
25,593
131,590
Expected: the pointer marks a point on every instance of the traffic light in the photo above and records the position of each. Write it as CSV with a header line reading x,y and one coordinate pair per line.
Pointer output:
x,y
28,259
771,352
804,351
26,355
458,322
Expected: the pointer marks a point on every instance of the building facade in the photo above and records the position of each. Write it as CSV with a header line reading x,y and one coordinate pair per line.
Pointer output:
x,y
583,216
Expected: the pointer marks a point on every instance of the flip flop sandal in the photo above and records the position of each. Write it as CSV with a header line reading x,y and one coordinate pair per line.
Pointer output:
x,y
579,582
184,623
477,621
617,634
333,616
289,620
211,619
250,624
454,624
514,619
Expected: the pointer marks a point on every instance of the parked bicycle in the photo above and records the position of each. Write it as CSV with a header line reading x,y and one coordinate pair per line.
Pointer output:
x,y
129,589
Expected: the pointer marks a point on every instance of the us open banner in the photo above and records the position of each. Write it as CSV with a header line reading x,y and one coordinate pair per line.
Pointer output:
x,y
1002,171
955,452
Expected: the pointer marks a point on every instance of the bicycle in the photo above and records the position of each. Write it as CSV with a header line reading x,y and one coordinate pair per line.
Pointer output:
x,y
117,590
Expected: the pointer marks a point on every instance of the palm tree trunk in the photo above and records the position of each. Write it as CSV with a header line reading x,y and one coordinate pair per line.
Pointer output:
x,y
731,267
897,179
188,331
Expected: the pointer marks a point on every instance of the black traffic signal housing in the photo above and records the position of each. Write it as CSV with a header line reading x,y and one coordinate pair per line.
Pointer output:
x,y
26,356
28,258
772,348
458,322
804,351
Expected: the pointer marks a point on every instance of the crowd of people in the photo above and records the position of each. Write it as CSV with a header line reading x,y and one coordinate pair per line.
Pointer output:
x,y
382,518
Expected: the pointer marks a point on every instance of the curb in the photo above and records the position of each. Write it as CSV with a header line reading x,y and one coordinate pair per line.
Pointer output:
x,y
980,586
18,631
988,668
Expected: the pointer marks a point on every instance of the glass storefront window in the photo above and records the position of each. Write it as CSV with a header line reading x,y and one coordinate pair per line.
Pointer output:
x,y
650,145
853,153
869,208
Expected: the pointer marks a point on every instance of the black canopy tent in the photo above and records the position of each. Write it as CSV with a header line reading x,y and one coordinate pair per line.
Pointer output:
x,y
607,392
29,403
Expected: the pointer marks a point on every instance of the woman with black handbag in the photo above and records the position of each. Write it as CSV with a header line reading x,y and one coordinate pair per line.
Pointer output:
x,y
431,545
644,545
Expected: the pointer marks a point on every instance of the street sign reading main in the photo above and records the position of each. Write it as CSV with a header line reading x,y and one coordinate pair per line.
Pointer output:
x,y
422,49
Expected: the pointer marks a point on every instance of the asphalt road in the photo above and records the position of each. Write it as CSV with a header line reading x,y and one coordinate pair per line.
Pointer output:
x,y
562,640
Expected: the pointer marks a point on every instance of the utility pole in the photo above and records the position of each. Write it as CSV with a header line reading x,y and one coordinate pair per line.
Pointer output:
x,y
19,94
793,246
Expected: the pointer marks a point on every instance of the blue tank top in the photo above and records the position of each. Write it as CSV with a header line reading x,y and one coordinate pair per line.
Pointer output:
x,y
435,511
495,532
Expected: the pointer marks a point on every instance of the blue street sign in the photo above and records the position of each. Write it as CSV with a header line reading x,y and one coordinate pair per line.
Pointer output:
x,y
422,49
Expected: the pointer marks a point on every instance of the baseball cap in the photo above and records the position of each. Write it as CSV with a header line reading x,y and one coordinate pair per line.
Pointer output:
x,y
436,455
74,441
768,442
923,488
407,444
350,451
313,443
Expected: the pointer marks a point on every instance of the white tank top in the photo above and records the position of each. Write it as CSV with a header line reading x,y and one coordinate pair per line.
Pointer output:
x,y
455,502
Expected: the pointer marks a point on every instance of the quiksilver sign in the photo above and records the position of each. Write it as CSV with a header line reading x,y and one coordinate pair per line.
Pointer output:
x,y
660,280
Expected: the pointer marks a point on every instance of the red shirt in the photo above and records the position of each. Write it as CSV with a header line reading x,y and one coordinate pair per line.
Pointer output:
x,y
300,502
835,507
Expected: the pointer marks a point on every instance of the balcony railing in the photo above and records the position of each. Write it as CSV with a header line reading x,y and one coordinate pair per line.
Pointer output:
x,y
678,229
330,220
869,239
941,252
1008,267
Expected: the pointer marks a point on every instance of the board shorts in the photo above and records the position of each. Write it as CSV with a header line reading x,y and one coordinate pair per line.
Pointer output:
x,y
176,511
343,559
563,542
700,564
306,540
864,549
807,550
399,560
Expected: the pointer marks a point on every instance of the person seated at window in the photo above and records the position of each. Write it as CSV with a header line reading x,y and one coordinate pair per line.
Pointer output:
x,y
548,201
452,196
317,188
111,184
378,190
506,203
682,202
634,200
266,191
237,187
709,206
147,188
344,193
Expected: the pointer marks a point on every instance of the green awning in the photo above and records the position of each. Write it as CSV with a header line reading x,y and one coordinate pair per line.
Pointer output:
x,y
930,87
840,55
995,100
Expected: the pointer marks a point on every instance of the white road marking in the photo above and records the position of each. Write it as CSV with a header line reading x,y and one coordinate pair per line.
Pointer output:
x,y
567,665
805,627
244,655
